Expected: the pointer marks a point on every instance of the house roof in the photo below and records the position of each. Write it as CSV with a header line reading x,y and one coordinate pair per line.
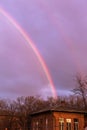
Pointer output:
x,y
60,109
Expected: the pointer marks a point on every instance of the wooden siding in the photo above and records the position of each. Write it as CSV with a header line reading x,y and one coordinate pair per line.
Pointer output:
x,y
50,120
71,116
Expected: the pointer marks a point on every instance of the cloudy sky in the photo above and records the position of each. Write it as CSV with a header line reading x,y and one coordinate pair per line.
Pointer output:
x,y
58,29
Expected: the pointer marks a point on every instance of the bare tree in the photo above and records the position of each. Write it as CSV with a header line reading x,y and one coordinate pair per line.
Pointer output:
x,y
81,88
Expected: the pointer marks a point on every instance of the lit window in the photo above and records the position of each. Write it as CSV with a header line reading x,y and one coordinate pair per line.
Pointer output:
x,y
46,124
68,124
76,124
61,123
37,125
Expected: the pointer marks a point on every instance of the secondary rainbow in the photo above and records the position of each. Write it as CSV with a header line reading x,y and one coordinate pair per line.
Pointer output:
x,y
30,42
59,27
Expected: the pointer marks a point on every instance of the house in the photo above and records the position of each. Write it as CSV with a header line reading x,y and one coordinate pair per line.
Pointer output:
x,y
8,121
59,119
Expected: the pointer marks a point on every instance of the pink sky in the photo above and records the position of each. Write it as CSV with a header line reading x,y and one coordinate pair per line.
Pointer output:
x,y
58,29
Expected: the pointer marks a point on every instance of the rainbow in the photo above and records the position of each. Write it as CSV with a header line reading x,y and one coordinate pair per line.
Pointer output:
x,y
58,26
33,47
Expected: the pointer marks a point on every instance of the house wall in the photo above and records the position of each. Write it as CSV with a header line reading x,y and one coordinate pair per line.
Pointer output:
x,y
9,122
42,122
68,117
50,121
85,118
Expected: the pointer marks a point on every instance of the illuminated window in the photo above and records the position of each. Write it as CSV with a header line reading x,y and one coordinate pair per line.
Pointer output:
x,y
61,123
46,124
76,121
68,124
37,125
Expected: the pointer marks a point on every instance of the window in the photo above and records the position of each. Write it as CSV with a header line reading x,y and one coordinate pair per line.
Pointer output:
x,y
34,125
46,124
41,124
37,125
61,123
76,124
68,124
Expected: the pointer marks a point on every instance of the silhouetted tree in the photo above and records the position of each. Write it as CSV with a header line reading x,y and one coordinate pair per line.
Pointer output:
x,y
81,88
